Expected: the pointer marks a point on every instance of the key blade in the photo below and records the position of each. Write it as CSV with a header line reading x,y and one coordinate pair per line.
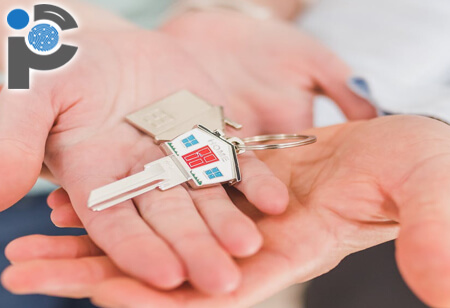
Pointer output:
x,y
163,173
98,206
124,189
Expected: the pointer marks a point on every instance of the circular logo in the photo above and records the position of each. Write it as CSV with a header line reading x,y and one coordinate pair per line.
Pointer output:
x,y
43,37
18,19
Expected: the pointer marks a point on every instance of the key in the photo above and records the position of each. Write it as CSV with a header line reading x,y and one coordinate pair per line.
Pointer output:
x,y
200,157
176,114
163,173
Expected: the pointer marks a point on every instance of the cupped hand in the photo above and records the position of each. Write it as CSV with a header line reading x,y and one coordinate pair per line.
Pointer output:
x,y
362,184
72,119
269,70
77,112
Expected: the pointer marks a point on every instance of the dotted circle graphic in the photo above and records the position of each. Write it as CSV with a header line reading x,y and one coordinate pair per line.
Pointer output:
x,y
18,19
43,37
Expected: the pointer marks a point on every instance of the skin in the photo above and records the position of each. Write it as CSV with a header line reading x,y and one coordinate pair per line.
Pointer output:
x,y
70,126
284,68
79,133
285,9
362,184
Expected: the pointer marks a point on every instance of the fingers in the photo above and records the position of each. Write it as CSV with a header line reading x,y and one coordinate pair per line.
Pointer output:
x,y
140,296
238,243
63,214
423,246
257,271
125,237
25,121
57,198
172,215
261,187
332,75
97,277
51,247
66,217
66,277
236,232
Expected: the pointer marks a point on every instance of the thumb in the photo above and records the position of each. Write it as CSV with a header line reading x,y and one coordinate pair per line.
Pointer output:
x,y
423,245
332,76
25,120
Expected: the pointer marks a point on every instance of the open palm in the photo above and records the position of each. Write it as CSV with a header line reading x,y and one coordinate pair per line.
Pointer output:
x,y
270,69
73,121
362,184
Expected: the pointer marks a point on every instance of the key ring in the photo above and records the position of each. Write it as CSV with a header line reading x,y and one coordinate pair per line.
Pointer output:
x,y
248,146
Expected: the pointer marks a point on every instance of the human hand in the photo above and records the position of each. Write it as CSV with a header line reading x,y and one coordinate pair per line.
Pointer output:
x,y
269,70
81,95
362,184
73,121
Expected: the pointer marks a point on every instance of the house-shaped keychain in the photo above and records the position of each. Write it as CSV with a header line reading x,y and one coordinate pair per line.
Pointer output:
x,y
206,156
200,156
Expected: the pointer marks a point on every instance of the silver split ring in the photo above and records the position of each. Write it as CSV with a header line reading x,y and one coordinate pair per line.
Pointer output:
x,y
257,143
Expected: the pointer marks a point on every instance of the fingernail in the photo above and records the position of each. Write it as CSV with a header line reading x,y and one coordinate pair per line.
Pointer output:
x,y
360,87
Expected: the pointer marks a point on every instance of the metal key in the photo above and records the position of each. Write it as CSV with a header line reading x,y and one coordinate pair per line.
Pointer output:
x,y
199,157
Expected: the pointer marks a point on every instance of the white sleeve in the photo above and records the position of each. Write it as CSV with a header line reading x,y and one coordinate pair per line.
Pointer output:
x,y
400,47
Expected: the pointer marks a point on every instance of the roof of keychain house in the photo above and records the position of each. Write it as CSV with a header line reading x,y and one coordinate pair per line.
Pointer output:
x,y
176,114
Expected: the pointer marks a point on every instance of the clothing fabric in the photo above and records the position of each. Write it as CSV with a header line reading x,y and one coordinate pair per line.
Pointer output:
x,y
368,279
400,54
399,47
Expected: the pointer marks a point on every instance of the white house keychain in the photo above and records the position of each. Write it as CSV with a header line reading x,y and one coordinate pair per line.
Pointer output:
x,y
201,157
